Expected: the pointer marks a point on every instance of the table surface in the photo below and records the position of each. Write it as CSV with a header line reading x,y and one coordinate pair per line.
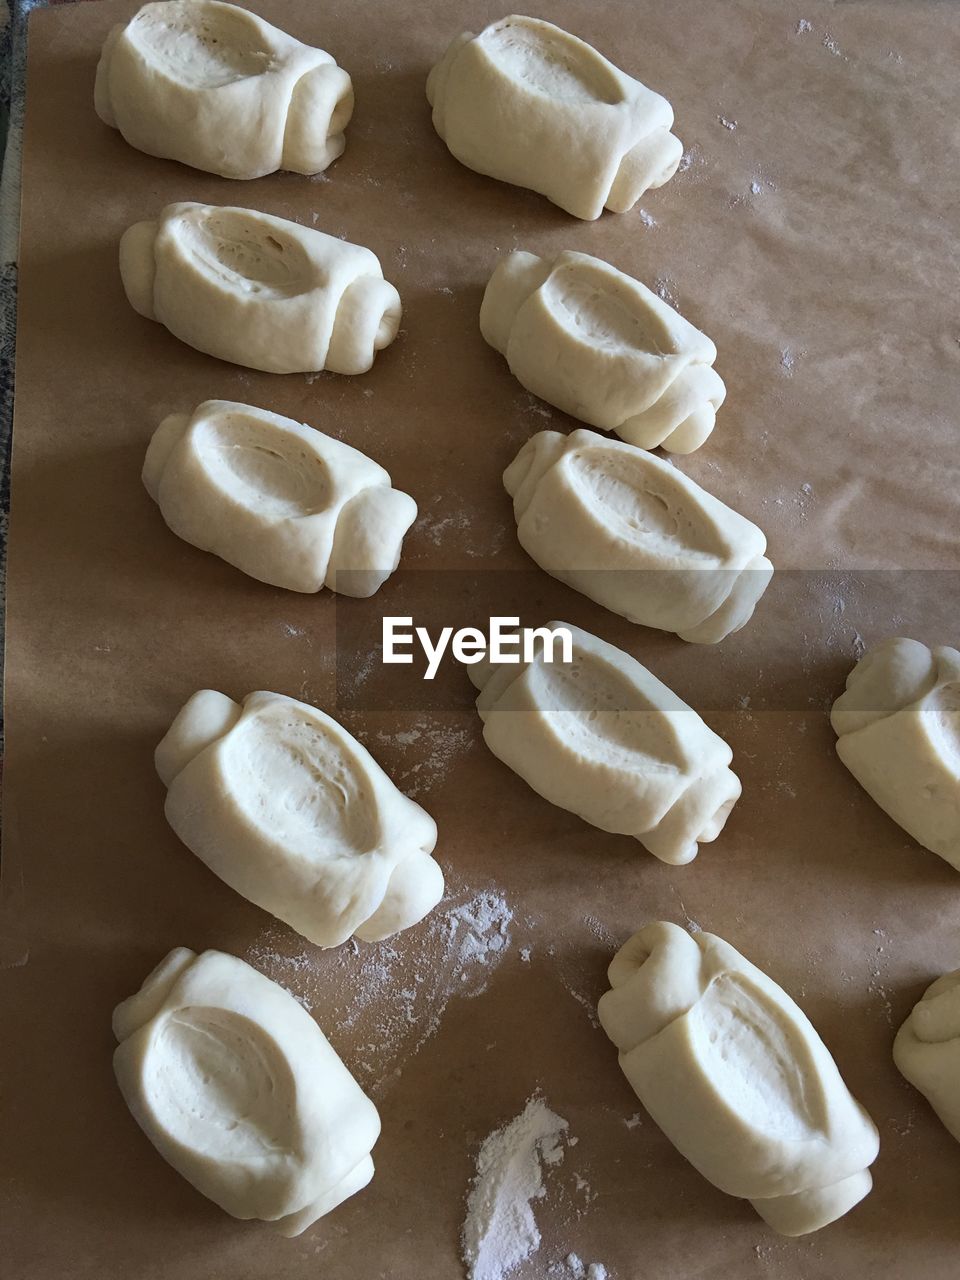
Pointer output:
x,y
809,233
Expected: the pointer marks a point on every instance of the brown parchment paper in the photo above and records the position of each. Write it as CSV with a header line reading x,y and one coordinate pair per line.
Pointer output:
x,y
812,235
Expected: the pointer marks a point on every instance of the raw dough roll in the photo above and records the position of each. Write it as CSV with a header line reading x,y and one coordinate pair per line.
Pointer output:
x,y
927,1049
259,290
284,503
633,533
898,727
737,1078
218,88
530,104
287,807
602,347
603,738
238,1088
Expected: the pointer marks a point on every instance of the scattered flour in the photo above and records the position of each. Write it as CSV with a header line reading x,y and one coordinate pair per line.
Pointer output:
x,y
437,526
831,46
438,746
647,219
692,159
788,361
633,1121
500,1230
877,986
532,404
803,26
692,926
600,930
285,970
585,1003
355,673
664,288
574,1268
459,530
387,1001
727,124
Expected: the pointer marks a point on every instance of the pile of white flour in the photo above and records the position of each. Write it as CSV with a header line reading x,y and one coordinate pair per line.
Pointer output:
x,y
500,1229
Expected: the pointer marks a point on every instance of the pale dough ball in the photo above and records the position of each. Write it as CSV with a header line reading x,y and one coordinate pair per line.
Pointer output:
x,y
604,348
898,732
530,104
602,737
218,88
291,811
635,534
737,1078
259,290
238,1088
284,503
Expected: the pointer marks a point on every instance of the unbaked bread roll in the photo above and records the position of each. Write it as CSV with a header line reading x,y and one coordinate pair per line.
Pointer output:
x,y
927,1049
635,534
737,1078
220,89
530,104
602,347
288,808
603,738
238,1088
284,503
259,290
898,727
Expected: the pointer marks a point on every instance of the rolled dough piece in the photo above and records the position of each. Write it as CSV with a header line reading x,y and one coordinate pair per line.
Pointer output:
x,y
530,104
927,1049
633,533
602,738
737,1078
284,503
258,290
220,89
602,347
286,807
238,1088
898,727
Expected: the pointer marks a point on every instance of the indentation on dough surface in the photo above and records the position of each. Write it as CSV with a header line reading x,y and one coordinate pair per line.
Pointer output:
x,y
262,467
218,1084
641,506
602,717
551,63
756,1060
301,785
237,247
599,310
198,46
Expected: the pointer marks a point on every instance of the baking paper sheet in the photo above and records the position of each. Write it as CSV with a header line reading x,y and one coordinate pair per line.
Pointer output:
x,y
811,233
